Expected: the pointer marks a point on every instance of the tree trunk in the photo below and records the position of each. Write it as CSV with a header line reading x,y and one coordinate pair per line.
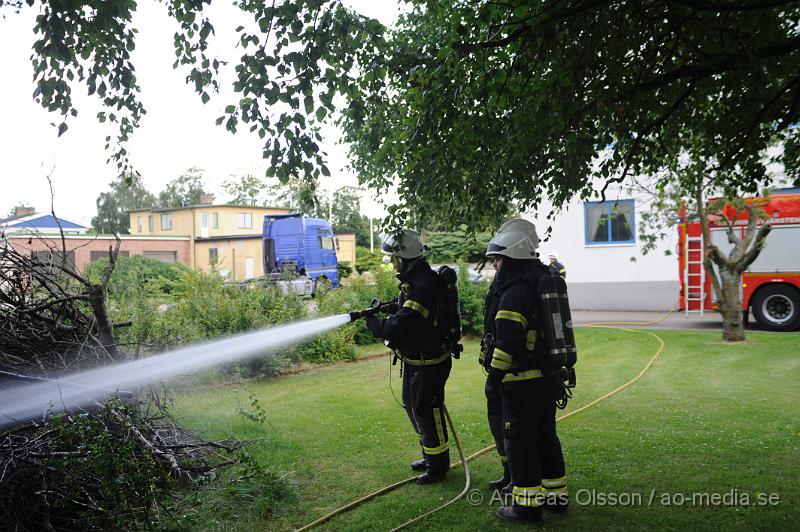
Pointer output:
x,y
730,306
105,331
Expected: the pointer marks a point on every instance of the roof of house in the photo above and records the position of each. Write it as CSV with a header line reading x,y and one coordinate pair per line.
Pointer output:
x,y
12,218
40,221
209,206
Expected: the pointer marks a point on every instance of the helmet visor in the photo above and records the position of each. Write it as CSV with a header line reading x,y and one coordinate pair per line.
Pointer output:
x,y
495,249
388,248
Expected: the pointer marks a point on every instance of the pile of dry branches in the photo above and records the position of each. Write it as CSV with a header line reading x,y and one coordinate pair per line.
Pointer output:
x,y
109,465
52,319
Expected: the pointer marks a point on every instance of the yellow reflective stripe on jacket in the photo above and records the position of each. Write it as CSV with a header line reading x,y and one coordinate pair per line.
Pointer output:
x,y
502,355
501,360
413,305
423,361
511,315
522,375
530,343
437,450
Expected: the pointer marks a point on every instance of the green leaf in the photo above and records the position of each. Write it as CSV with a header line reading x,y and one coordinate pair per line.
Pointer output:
x,y
62,128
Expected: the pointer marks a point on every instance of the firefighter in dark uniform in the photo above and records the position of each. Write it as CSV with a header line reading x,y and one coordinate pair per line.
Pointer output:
x,y
556,268
514,355
419,343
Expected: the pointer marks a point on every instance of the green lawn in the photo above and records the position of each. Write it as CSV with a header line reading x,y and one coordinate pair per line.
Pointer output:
x,y
707,418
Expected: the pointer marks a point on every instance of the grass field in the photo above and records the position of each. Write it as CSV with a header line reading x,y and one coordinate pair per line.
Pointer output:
x,y
708,418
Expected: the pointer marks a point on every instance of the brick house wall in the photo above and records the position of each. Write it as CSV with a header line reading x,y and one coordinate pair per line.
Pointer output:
x,y
83,248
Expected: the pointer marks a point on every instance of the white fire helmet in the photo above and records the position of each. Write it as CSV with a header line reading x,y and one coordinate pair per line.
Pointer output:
x,y
553,255
516,239
407,246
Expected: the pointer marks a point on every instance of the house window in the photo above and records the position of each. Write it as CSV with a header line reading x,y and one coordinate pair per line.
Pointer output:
x,y
166,222
138,224
150,224
245,220
169,257
214,220
213,257
609,222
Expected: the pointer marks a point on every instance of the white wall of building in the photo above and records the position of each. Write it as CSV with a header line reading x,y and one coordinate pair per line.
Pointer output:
x,y
604,276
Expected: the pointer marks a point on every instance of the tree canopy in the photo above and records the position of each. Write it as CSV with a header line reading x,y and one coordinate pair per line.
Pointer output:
x,y
185,189
506,102
244,190
113,206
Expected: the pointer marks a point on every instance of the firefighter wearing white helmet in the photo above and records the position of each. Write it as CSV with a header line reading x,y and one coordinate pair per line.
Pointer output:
x,y
521,404
413,333
556,268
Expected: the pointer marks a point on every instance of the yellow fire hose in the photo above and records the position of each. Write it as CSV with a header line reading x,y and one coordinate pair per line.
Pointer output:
x,y
465,461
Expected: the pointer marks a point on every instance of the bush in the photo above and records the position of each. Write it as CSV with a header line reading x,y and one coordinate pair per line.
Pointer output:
x,y
450,247
366,261
333,345
472,296
205,307
344,269
138,272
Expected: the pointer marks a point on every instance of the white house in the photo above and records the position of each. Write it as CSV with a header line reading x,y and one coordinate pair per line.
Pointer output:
x,y
27,220
598,244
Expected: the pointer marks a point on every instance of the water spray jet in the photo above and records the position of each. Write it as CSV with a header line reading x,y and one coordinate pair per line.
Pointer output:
x,y
38,400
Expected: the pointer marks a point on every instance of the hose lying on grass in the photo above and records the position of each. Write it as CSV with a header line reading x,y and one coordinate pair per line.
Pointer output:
x,y
468,481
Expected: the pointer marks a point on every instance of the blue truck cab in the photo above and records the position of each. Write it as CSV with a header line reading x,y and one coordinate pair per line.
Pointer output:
x,y
293,241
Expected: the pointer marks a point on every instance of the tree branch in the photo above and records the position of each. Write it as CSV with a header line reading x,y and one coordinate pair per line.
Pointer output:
x,y
722,64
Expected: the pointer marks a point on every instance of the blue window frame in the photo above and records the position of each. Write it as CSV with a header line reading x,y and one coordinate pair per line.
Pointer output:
x,y
609,222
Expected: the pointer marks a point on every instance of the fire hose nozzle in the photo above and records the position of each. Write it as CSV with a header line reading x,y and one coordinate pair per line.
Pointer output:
x,y
375,307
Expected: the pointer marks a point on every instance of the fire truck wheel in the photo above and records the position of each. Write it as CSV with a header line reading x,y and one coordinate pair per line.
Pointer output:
x,y
777,307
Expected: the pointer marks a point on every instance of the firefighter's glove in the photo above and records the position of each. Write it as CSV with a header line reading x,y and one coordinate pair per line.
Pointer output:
x,y
495,378
374,325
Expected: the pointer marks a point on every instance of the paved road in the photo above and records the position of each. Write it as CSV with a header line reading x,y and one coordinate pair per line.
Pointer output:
x,y
677,320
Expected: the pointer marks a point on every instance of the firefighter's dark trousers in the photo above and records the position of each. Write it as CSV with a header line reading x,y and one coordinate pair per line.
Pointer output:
x,y
494,412
423,397
533,449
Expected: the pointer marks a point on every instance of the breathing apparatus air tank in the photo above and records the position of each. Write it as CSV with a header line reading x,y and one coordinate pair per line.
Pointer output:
x,y
556,325
450,309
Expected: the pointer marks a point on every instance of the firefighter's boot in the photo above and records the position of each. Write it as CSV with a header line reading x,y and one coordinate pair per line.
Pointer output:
x,y
502,482
431,477
418,465
512,513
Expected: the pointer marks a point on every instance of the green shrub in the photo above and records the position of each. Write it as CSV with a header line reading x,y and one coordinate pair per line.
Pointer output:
x,y
472,296
450,247
344,269
204,307
138,272
333,345
366,261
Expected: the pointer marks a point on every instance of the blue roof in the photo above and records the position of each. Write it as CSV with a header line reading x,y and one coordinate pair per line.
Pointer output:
x,y
46,220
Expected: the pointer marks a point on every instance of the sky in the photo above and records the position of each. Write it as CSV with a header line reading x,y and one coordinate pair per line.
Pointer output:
x,y
178,131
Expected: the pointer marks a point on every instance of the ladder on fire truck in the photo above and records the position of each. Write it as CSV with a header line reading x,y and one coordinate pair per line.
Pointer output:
x,y
694,279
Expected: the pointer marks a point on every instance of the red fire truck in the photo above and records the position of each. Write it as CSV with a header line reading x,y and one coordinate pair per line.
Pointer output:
x,y
770,286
